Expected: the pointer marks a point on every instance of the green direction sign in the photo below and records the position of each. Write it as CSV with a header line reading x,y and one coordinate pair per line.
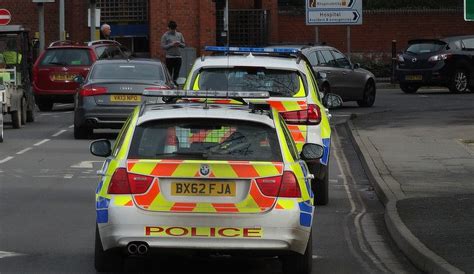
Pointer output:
x,y
469,10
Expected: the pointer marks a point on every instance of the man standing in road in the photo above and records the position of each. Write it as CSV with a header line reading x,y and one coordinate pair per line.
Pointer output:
x,y
171,41
105,31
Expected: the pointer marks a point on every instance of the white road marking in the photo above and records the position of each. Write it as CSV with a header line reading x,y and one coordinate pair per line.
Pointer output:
x,y
6,159
42,142
59,133
4,254
85,164
71,126
68,176
25,150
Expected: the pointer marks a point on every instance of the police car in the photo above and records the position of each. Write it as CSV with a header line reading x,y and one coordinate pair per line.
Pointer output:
x,y
287,75
205,177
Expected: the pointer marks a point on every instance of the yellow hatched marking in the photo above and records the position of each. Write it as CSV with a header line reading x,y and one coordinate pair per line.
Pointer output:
x,y
224,171
161,204
265,170
144,167
248,205
121,200
196,82
291,105
204,208
301,92
296,168
286,203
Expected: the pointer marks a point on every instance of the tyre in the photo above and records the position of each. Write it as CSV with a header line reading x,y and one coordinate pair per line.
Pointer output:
x,y
30,116
16,118
459,82
82,132
106,261
44,104
23,111
298,263
409,88
368,99
1,123
320,185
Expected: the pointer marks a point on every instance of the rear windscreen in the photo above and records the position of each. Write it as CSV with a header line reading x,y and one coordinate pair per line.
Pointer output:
x,y
428,47
212,139
130,71
66,57
279,83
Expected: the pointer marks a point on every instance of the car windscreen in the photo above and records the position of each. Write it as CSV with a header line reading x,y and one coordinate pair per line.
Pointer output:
x,y
279,83
212,139
127,71
66,57
425,47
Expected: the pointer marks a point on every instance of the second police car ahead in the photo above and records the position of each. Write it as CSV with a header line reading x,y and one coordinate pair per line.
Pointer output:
x,y
205,177
287,75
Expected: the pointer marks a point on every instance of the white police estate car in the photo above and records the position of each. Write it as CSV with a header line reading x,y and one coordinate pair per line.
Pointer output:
x,y
205,177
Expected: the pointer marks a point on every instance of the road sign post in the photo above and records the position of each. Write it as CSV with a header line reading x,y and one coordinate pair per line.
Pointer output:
x,y
5,17
468,10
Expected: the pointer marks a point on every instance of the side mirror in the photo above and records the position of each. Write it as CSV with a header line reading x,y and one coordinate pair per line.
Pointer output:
x,y
332,100
180,81
101,148
78,79
356,66
321,75
311,152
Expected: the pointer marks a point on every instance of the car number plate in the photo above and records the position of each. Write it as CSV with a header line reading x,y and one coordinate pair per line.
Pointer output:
x,y
125,98
413,77
226,189
62,77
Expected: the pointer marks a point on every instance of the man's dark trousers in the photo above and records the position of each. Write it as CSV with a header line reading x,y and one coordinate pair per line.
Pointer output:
x,y
173,65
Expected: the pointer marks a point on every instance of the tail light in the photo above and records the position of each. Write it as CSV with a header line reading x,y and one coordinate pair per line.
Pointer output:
x,y
440,57
123,182
157,88
92,91
309,116
280,186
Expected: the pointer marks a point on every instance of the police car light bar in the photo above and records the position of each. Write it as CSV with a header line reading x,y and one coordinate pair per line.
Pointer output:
x,y
251,50
207,93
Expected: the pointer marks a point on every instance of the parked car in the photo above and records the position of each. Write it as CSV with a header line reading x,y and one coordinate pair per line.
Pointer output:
x,y
337,74
112,89
447,62
56,67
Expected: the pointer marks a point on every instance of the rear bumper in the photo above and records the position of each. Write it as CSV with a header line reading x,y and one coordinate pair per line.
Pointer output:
x,y
48,92
102,116
437,76
281,231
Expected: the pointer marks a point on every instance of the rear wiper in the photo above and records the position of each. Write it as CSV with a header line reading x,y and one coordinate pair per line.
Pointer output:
x,y
189,153
57,63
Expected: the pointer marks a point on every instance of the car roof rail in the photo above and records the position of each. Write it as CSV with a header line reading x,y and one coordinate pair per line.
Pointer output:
x,y
97,42
63,43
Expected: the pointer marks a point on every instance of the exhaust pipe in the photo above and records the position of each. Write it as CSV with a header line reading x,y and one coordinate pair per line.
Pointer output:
x,y
132,249
142,249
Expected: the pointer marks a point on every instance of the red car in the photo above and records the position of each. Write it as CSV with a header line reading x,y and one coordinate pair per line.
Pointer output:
x,y
55,69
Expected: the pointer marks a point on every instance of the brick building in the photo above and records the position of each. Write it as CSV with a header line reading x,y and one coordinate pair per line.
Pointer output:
x,y
140,23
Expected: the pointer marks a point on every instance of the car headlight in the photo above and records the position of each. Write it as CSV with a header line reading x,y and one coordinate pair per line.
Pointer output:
x,y
439,57
400,59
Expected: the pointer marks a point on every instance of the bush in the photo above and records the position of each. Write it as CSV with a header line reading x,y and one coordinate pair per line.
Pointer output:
x,y
379,63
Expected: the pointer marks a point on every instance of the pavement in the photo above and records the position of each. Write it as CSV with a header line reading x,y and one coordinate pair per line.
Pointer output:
x,y
423,171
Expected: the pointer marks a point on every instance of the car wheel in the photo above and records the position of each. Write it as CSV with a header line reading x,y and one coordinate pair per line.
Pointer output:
x,y
368,99
460,82
16,118
44,104
320,186
298,263
1,123
105,261
30,116
407,88
82,132
23,111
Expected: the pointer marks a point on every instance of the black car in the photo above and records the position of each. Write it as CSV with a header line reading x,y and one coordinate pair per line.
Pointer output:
x,y
112,89
446,62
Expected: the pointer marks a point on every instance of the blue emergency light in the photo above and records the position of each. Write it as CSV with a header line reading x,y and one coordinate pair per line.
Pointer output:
x,y
251,50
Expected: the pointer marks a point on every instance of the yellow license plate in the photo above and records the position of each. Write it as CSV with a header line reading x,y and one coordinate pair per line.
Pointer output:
x,y
225,189
413,77
63,77
126,98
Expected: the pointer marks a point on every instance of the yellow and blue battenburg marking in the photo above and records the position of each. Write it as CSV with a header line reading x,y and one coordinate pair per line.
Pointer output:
x,y
306,213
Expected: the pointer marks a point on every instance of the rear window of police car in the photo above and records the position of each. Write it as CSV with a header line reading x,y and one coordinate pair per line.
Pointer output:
x,y
279,83
199,139
66,57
